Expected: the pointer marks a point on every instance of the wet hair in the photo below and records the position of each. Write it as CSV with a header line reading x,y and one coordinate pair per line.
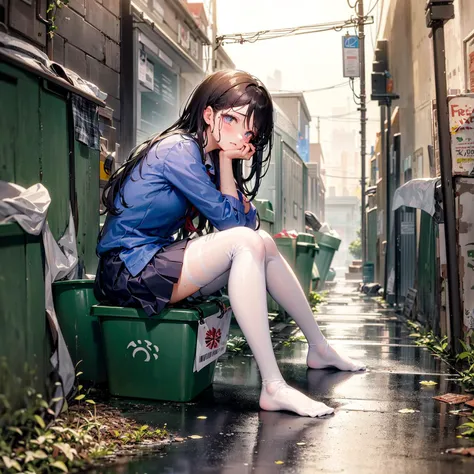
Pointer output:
x,y
222,90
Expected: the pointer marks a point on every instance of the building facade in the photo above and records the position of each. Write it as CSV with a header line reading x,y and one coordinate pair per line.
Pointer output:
x,y
294,106
413,118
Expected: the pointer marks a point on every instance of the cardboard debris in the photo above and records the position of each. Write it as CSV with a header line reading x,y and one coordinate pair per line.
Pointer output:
x,y
470,403
453,398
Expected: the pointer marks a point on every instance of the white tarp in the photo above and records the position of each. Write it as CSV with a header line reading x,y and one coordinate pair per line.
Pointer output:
x,y
417,193
29,207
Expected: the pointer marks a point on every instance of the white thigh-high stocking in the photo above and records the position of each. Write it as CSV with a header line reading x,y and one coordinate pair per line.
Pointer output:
x,y
241,252
285,289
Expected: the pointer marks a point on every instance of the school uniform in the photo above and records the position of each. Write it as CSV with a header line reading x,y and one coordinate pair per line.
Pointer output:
x,y
139,260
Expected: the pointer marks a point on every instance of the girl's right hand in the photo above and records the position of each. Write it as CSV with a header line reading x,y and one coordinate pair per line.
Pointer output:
x,y
244,153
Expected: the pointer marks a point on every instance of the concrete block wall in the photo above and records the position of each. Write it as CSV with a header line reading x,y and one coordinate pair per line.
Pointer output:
x,y
87,41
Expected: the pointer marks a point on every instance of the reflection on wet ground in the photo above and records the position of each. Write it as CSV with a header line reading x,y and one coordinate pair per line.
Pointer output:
x,y
367,434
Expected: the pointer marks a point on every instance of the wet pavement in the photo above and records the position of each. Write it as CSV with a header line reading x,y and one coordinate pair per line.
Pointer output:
x,y
367,434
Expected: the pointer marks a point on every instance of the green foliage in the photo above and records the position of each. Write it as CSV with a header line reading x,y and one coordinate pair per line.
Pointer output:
x,y
355,247
33,441
293,339
468,427
441,348
236,343
316,299
53,6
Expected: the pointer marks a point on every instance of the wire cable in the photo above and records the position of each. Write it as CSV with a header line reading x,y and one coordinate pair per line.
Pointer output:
x,y
320,89
252,37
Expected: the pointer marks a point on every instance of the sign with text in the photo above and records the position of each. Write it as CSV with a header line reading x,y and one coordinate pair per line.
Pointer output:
x,y
212,338
461,125
350,56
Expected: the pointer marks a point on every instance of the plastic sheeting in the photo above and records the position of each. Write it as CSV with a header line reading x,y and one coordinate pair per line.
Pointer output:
x,y
28,207
417,193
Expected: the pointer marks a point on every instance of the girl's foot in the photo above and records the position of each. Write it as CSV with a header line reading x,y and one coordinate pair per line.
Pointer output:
x,y
277,395
323,355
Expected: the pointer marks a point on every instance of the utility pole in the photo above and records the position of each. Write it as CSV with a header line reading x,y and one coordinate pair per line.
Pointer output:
x,y
319,130
438,12
363,124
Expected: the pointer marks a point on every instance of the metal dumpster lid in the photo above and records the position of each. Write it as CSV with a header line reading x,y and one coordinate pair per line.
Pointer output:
x,y
21,54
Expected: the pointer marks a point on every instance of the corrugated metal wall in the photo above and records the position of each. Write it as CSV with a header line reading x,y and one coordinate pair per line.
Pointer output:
x,y
293,189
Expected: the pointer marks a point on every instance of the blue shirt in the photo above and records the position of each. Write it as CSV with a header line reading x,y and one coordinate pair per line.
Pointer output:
x,y
173,177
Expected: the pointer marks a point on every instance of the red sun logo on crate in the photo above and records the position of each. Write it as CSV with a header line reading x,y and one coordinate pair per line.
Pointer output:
x,y
213,338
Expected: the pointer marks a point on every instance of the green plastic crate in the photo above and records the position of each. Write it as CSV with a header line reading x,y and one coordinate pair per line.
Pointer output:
x,y
73,300
170,375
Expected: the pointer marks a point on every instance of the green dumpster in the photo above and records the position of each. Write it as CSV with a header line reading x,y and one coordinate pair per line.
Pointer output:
x,y
24,335
306,249
328,245
37,115
153,357
73,300
266,214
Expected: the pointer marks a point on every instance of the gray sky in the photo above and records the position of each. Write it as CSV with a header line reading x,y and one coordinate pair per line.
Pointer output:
x,y
307,61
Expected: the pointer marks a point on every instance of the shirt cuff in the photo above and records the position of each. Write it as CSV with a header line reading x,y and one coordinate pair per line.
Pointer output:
x,y
235,203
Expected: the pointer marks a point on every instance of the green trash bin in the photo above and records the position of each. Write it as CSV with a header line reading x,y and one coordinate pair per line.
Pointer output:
x,y
73,300
153,357
328,245
266,214
267,223
331,275
315,277
368,272
306,249
24,335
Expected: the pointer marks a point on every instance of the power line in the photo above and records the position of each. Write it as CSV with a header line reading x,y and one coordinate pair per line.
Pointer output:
x,y
341,177
307,91
373,8
252,37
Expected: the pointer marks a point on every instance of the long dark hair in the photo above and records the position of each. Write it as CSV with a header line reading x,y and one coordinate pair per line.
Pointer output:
x,y
221,90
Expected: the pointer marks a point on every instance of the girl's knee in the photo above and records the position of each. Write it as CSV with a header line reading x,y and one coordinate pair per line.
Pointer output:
x,y
270,245
251,239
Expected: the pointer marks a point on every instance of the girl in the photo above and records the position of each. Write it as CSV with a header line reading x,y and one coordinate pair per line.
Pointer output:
x,y
194,169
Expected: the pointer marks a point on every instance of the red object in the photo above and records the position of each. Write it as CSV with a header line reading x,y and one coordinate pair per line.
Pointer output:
x,y
213,338
285,233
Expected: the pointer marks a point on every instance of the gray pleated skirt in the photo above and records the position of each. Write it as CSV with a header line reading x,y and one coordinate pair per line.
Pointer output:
x,y
151,289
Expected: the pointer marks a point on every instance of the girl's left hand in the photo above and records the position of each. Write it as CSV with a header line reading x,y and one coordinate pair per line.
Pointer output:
x,y
244,153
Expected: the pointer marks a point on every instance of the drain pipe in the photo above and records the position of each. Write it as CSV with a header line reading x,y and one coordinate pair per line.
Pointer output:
x,y
47,23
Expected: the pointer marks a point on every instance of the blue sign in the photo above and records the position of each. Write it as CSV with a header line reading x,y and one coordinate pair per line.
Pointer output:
x,y
351,42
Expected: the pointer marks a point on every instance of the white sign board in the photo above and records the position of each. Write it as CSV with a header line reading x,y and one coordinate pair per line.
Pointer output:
x,y
407,228
350,56
212,339
145,70
461,125
465,221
